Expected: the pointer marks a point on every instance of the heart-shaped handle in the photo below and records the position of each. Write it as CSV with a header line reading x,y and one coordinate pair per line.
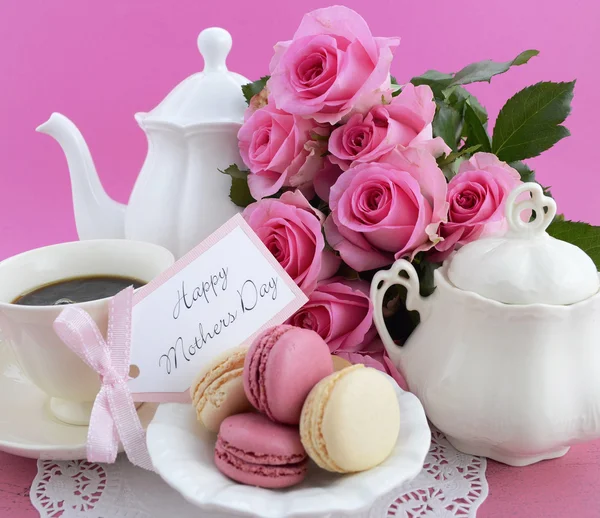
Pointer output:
x,y
403,273
543,207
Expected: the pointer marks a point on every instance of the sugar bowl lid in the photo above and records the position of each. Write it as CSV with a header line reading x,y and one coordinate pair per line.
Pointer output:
x,y
526,266
213,95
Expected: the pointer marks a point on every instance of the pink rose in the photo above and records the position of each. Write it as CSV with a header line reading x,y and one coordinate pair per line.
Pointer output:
x,y
341,312
291,230
477,196
280,151
326,178
378,360
405,122
332,65
382,211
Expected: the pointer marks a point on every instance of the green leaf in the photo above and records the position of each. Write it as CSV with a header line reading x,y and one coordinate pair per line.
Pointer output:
x,y
583,235
527,174
252,89
469,150
476,133
529,122
457,96
396,88
235,172
448,124
485,70
431,76
438,81
548,193
425,271
443,161
239,193
442,83
450,170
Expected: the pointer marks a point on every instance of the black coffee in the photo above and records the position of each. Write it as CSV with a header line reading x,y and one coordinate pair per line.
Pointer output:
x,y
80,289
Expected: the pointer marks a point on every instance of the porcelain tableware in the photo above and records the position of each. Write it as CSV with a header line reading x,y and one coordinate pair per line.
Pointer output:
x,y
27,426
71,385
182,453
517,382
180,196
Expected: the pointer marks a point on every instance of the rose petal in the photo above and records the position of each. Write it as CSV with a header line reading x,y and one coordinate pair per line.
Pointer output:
x,y
353,248
326,178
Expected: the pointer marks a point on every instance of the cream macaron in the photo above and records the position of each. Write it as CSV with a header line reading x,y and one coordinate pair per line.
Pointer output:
x,y
351,420
218,391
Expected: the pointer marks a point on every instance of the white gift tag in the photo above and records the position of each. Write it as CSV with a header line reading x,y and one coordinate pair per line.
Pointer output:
x,y
218,296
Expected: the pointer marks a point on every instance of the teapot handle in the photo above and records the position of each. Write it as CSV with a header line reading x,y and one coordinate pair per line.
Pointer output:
x,y
385,279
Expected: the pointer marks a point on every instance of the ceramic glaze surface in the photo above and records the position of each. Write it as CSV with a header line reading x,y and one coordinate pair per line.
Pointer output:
x,y
180,196
182,452
527,265
514,383
28,330
28,428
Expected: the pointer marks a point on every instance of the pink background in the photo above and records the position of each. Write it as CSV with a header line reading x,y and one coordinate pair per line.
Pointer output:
x,y
100,62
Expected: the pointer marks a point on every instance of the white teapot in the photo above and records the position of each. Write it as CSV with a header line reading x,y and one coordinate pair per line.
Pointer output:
x,y
180,197
506,358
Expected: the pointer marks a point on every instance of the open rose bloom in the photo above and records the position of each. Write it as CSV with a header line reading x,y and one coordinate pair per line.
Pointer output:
x,y
476,197
387,210
292,231
404,122
332,66
344,170
341,312
279,150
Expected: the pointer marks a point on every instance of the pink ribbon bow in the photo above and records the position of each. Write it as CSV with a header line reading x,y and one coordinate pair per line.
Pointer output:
x,y
114,415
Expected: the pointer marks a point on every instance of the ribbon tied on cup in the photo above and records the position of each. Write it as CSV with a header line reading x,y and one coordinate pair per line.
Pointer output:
x,y
114,415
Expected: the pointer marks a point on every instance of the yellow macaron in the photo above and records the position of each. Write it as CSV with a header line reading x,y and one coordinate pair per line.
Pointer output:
x,y
218,390
351,420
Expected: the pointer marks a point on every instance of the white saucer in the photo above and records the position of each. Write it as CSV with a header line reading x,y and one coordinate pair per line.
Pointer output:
x,y
182,453
27,427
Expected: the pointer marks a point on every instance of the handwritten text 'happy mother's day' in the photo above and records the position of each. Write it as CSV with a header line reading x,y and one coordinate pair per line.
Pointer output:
x,y
212,290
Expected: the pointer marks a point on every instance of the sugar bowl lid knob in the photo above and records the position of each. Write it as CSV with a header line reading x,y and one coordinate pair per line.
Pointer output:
x,y
543,211
214,44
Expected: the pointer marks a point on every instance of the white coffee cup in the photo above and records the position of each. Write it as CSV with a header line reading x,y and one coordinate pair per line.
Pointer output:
x,y
47,361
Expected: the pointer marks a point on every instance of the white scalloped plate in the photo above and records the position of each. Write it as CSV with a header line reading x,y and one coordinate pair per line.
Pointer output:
x,y
182,453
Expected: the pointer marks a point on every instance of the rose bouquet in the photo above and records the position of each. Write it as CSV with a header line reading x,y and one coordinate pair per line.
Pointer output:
x,y
348,170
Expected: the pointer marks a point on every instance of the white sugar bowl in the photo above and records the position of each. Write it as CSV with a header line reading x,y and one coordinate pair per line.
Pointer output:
x,y
506,358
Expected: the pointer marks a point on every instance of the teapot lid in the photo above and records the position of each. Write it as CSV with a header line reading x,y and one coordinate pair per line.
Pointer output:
x,y
526,266
213,95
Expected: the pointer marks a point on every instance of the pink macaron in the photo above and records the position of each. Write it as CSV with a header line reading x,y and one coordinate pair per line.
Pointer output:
x,y
282,366
253,450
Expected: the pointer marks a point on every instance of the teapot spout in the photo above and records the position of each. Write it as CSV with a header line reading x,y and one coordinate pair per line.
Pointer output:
x,y
97,216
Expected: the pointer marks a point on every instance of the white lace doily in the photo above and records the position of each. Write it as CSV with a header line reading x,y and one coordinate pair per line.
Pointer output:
x,y
452,484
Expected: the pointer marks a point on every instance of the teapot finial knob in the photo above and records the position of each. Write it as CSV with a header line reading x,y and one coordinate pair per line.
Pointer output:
x,y
543,207
214,44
